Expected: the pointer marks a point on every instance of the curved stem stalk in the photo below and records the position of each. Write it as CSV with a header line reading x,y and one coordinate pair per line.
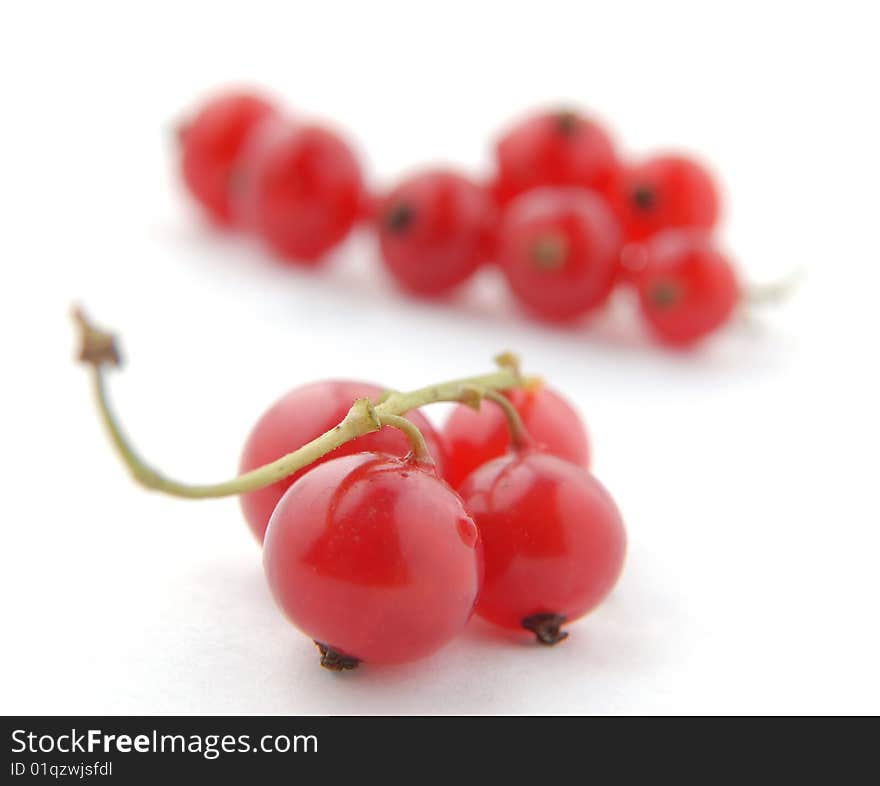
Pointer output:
x,y
518,436
417,442
774,292
363,418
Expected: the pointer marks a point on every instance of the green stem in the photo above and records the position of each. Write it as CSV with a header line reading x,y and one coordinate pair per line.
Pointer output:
x,y
518,436
774,292
363,418
419,448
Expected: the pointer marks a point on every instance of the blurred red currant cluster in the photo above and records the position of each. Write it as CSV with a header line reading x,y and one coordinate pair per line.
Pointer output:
x,y
563,217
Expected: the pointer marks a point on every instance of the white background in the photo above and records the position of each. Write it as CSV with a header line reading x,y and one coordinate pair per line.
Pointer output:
x,y
747,471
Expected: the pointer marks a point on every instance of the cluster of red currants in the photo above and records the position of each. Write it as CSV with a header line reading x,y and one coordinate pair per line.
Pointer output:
x,y
563,217
382,535
381,555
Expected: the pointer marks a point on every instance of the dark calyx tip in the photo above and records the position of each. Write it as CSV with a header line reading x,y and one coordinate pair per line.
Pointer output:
x,y
399,218
643,197
664,294
335,661
567,122
546,628
549,252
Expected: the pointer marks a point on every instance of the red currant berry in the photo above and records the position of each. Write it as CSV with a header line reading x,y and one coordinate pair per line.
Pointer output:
x,y
553,541
559,249
560,148
211,143
304,191
666,192
302,415
435,229
375,558
686,288
474,438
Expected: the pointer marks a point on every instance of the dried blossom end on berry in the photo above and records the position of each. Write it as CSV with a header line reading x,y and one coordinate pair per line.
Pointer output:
x,y
643,197
335,661
665,294
549,252
567,122
399,218
546,628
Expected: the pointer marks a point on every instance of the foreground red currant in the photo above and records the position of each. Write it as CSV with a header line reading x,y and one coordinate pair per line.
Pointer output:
x,y
473,438
303,192
666,192
686,287
553,541
375,558
211,142
435,229
561,148
559,249
303,414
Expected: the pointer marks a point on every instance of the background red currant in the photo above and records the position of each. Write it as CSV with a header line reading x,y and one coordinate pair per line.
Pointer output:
x,y
301,415
553,540
666,192
558,148
375,557
473,438
435,229
210,144
559,250
304,192
686,287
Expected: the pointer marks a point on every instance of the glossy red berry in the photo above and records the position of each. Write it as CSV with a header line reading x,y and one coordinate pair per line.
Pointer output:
x,y
559,249
435,230
686,287
561,148
301,415
553,541
666,192
473,438
373,557
303,191
211,143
